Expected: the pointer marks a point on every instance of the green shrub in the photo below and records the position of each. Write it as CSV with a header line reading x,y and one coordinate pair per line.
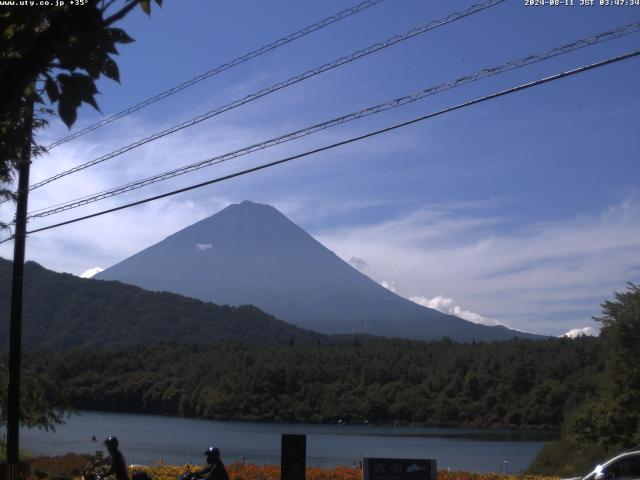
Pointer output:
x,y
564,458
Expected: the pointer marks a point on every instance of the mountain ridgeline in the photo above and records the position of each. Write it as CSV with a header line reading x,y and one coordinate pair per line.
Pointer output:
x,y
64,311
250,253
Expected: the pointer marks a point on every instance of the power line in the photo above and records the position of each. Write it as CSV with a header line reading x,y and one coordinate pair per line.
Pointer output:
x,y
391,104
221,68
351,140
291,81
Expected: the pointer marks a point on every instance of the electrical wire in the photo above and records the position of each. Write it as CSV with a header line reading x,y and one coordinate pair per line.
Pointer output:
x,y
291,81
220,68
391,104
350,140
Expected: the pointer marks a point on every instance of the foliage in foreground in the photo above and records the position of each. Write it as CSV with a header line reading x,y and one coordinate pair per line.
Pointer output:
x,y
608,422
567,459
59,51
42,404
68,465
612,418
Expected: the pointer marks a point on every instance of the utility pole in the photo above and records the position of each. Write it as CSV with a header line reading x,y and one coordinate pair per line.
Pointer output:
x,y
15,329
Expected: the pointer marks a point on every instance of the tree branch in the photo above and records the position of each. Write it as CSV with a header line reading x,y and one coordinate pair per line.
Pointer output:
x,y
121,13
106,7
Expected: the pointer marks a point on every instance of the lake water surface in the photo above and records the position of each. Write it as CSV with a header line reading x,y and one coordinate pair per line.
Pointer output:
x,y
145,439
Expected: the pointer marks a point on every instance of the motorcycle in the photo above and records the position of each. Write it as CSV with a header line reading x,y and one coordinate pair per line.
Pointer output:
x,y
97,472
93,472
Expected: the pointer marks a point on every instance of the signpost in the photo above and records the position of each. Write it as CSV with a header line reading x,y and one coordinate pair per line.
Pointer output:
x,y
398,469
293,457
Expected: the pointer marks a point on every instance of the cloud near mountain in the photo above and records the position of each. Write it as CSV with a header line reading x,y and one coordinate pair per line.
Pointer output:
x,y
447,305
91,272
358,263
579,332
538,276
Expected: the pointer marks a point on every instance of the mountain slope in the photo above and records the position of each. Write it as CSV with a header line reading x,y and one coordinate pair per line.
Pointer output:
x,y
64,311
252,254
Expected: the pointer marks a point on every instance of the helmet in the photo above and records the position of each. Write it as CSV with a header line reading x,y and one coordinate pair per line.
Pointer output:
x,y
212,451
111,442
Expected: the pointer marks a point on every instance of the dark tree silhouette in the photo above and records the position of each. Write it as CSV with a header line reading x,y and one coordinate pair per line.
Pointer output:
x,y
57,53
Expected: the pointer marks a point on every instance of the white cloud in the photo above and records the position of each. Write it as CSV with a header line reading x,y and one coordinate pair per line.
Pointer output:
x,y
91,272
446,305
358,263
545,277
108,239
579,332
389,286
203,246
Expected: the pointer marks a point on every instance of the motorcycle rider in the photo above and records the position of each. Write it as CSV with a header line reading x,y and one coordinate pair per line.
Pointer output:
x,y
213,471
115,458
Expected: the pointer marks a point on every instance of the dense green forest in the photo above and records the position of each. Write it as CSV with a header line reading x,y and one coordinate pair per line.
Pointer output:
x,y
516,383
63,311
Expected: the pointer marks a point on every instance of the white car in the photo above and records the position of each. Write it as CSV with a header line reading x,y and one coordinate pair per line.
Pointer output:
x,y
623,467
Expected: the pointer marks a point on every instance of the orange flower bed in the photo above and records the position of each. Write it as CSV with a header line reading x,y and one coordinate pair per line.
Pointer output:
x,y
249,471
446,475
70,465
238,471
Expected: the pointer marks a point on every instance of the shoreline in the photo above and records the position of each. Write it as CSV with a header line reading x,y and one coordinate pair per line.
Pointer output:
x,y
145,439
552,432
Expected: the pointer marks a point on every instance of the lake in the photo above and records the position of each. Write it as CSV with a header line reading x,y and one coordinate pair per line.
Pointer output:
x,y
146,439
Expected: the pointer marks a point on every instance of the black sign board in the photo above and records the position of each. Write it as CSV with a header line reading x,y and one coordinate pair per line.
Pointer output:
x,y
293,457
398,469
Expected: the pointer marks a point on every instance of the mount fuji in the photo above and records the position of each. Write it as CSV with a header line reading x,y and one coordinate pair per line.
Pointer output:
x,y
251,253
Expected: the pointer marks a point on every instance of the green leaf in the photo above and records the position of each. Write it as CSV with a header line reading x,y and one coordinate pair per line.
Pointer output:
x,y
75,89
63,78
94,66
110,69
108,45
146,6
84,84
119,36
67,111
83,88
51,87
9,31
92,101
74,54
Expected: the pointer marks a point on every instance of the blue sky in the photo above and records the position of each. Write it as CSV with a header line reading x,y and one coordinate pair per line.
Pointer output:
x,y
523,211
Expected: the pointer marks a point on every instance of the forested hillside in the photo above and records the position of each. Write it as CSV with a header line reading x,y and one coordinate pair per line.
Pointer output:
x,y
63,311
516,383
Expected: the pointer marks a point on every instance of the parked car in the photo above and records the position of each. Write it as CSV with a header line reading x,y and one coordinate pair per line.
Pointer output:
x,y
625,466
